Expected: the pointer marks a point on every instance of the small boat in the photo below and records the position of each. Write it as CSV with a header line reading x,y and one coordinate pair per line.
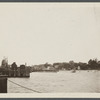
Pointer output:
x,y
73,71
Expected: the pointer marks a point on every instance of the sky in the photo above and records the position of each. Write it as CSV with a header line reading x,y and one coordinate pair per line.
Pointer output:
x,y
36,33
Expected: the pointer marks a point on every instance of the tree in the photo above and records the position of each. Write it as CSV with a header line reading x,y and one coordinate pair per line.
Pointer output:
x,y
72,64
14,66
66,66
93,64
83,66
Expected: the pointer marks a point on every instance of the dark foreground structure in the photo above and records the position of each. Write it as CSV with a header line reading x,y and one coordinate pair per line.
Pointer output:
x,y
13,70
3,85
21,71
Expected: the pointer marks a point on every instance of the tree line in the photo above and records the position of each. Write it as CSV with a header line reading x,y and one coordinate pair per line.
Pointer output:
x,y
93,64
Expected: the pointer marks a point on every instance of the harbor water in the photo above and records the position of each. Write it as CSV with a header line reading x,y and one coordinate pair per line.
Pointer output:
x,y
57,82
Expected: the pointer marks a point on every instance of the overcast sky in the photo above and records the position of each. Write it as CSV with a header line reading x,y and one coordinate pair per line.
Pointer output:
x,y
40,33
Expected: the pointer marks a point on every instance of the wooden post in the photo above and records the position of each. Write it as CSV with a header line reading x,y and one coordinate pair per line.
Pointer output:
x,y
3,85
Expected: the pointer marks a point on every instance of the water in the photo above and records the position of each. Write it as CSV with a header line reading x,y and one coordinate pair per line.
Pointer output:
x,y
60,82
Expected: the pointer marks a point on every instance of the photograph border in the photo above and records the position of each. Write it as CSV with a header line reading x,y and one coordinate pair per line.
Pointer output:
x,y
46,96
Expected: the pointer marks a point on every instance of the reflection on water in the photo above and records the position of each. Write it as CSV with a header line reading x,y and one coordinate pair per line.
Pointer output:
x,y
60,82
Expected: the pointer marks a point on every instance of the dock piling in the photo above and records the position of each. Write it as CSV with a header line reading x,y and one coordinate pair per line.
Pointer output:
x,y
3,85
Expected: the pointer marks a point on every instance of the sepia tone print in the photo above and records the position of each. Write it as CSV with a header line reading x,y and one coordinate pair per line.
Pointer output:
x,y
50,48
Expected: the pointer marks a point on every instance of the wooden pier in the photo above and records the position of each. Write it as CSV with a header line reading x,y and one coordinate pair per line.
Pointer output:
x,y
19,72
